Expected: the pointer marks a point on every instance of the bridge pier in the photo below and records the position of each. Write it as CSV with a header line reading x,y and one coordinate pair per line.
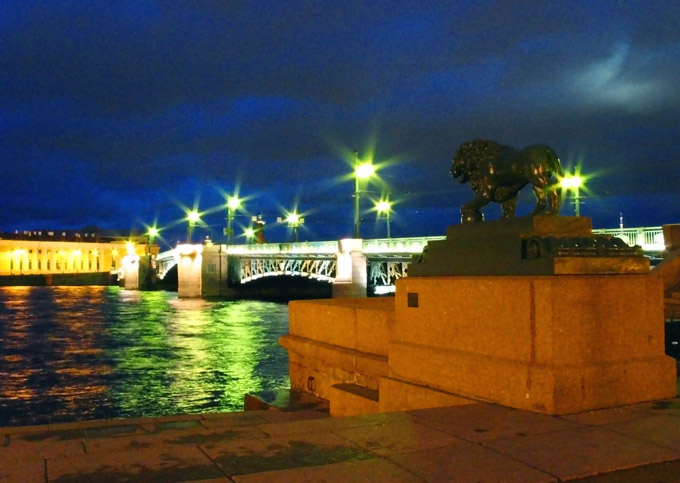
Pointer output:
x,y
138,272
189,270
351,272
202,271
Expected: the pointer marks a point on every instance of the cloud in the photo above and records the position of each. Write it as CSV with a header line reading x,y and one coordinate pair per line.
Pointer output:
x,y
149,102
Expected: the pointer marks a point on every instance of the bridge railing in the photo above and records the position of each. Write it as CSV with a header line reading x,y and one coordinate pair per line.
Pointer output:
x,y
649,238
299,248
385,246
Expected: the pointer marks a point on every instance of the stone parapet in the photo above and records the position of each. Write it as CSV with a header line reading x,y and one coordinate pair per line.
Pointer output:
x,y
553,344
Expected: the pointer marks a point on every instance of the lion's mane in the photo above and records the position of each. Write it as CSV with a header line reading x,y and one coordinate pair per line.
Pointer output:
x,y
473,153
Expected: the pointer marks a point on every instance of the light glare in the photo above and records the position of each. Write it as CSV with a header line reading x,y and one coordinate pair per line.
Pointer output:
x,y
233,203
571,182
383,206
193,216
364,171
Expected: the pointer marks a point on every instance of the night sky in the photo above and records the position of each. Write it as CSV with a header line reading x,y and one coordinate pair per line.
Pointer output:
x,y
119,113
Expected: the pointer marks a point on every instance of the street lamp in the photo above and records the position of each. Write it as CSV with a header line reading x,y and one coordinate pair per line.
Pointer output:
x,y
384,206
294,221
150,236
573,183
361,171
233,203
192,218
249,234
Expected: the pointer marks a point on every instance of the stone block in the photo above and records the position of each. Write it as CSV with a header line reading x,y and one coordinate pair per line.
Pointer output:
x,y
323,321
358,324
352,400
553,344
671,237
398,395
314,366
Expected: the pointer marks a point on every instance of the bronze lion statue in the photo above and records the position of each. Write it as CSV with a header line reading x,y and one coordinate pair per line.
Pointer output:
x,y
497,173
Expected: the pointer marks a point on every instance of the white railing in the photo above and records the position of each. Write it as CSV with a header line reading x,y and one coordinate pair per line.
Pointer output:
x,y
649,238
398,245
299,248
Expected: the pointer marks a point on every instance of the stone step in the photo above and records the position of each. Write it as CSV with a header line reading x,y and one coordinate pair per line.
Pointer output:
x,y
351,400
284,400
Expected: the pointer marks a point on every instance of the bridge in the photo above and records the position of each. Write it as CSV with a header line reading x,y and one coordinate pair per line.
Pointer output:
x,y
351,265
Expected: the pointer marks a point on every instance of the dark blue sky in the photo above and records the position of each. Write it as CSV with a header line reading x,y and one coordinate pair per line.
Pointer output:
x,y
116,113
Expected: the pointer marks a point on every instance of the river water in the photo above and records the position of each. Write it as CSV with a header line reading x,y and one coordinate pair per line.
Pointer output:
x,y
80,353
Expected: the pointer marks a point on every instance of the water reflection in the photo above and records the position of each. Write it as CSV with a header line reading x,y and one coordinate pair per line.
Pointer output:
x,y
70,353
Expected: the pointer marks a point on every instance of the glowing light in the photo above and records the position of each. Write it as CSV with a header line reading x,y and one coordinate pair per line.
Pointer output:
x,y
95,253
153,232
233,203
293,218
571,182
114,252
19,251
364,170
383,206
130,247
193,216
77,252
249,233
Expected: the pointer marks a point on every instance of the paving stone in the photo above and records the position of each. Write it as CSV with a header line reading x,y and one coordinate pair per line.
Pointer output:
x,y
666,472
212,480
48,444
468,462
275,416
18,466
239,457
113,431
663,430
78,425
581,452
667,406
157,463
609,415
397,438
484,422
189,436
50,436
330,424
378,470
25,429
220,420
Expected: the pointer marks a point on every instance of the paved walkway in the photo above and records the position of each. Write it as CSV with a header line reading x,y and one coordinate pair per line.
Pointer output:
x,y
480,442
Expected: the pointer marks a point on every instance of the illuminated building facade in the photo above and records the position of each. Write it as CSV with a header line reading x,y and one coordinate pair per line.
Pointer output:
x,y
34,253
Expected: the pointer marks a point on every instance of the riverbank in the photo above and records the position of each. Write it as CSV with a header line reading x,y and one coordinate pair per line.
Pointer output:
x,y
59,279
477,442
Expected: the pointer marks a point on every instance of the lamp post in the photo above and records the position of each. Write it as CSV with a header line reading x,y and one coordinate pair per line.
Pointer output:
x,y
573,183
192,218
361,171
150,236
233,203
294,221
384,206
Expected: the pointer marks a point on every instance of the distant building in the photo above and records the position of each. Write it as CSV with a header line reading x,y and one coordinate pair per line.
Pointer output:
x,y
61,251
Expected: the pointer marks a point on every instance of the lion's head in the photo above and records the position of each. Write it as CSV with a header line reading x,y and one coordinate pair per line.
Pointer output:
x,y
471,154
